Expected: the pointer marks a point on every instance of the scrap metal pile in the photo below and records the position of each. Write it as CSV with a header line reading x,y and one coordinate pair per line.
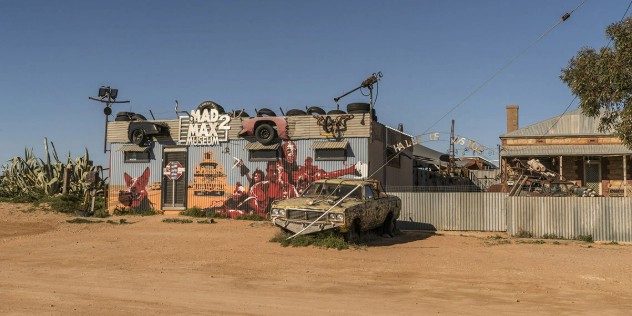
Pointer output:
x,y
532,178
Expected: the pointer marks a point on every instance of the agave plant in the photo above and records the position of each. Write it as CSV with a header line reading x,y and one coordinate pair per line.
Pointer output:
x,y
32,176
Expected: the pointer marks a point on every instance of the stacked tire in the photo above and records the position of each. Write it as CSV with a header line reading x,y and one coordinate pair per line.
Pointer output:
x,y
361,108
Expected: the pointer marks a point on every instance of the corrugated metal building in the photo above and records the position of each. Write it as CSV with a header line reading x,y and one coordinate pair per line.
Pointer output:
x,y
573,146
236,174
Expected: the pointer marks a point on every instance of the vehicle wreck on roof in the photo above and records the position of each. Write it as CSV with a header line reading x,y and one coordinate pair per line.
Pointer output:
x,y
351,206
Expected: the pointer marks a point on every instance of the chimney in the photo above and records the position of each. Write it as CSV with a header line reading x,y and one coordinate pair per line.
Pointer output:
x,y
512,118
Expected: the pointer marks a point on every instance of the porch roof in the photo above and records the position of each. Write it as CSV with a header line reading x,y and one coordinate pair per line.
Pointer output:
x,y
565,150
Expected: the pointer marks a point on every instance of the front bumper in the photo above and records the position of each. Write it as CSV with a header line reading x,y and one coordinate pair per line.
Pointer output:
x,y
296,227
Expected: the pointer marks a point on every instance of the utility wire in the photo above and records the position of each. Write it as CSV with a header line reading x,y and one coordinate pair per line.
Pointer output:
x,y
564,18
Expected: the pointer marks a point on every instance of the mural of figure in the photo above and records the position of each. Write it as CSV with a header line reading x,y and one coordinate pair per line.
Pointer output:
x,y
136,193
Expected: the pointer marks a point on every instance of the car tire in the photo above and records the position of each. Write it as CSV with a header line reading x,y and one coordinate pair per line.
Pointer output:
x,y
123,116
357,108
389,226
138,137
265,111
317,110
353,233
328,125
208,105
264,134
295,112
138,117
336,112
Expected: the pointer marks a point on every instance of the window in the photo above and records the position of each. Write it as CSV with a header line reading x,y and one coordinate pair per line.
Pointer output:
x,y
263,155
331,154
368,193
392,157
134,156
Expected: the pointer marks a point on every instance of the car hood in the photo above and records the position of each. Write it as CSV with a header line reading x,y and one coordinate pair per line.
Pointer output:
x,y
316,204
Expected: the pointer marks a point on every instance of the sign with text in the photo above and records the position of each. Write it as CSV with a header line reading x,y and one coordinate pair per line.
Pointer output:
x,y
207,127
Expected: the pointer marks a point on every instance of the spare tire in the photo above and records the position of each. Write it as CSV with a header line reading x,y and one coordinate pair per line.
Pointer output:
x,y
138,117
265,134
122,118
356,108
295,112
336,112
317,110
265,111
208,105
235,113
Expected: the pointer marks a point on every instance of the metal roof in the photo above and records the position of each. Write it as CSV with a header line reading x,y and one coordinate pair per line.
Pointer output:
x,y
260,146
565,150
573,123
330,145
134,148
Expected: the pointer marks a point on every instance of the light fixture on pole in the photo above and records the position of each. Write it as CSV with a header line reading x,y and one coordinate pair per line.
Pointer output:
x,y
108,96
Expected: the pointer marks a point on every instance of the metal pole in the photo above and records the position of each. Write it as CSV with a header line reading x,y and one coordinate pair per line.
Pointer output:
x,y
625,176
105,136
173,193
371,115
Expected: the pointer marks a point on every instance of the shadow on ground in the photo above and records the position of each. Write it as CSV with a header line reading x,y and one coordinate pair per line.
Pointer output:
x,y
402,237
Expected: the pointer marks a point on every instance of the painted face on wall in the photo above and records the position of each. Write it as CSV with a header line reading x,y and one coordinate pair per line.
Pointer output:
x,y
136,188
256,177
273,175
289,149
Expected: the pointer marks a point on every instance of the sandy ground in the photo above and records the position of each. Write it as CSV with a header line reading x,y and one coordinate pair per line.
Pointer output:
x,y
51,267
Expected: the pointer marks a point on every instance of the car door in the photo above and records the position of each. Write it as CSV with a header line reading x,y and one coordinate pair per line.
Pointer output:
x,y
371,210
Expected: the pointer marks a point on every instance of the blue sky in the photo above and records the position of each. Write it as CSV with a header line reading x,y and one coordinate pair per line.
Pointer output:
x,y
289,54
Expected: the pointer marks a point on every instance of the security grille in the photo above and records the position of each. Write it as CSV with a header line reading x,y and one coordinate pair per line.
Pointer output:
x,y
593,176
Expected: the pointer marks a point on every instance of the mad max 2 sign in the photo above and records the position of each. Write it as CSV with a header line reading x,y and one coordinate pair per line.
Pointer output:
x,y
207,127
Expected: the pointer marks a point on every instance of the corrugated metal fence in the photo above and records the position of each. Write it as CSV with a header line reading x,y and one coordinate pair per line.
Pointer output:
x,y
604,218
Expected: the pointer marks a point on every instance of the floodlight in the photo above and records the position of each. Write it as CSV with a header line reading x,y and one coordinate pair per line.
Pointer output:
x,y
113,93
103,92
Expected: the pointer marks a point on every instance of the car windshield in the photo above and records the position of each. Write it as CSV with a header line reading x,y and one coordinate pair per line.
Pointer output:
x,y
331,189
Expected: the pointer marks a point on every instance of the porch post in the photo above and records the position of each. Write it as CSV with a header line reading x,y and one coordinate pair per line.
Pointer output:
x,y
625,177
561,167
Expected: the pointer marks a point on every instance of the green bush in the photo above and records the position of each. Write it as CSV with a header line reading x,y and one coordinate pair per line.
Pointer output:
x,y
82,221
587,238
66,203
214,215
177,220
551,236
193,212
327,239
251,218
123,211
101,213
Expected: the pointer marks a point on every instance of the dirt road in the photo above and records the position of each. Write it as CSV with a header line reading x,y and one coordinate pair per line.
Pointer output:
x,y
50,267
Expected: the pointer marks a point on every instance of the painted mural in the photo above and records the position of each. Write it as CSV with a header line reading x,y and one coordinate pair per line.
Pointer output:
x,y
223,180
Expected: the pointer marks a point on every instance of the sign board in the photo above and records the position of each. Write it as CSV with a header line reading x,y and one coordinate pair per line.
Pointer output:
x,y
174,170
205,128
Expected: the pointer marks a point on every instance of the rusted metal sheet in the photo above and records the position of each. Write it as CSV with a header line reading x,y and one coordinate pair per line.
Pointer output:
x,y
330,145
452,211
260,146
134,148
606,219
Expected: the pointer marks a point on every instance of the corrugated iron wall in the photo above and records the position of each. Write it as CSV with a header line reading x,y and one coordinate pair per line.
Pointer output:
x,y
452,211
217,180
606,219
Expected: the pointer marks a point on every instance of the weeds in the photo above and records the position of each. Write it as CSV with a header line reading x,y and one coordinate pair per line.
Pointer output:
x,y
177,220
120,222
612,243
122,211
556,242
327,239
495,237
206,221
524,234
251,218
101,213
82,221
210,214
586,238
193,212
551,236
537,242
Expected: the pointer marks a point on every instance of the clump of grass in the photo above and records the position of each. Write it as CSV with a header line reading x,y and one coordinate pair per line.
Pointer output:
x,y
586,238
551,236
524,234
206,221
82,221
101,213
251,218
193,212
328,239
495,237
537,242
123,211
614,242
120,222
556,242
177,220
211,214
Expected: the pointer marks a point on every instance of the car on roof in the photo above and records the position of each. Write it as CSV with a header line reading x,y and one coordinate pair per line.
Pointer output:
x,y
351,206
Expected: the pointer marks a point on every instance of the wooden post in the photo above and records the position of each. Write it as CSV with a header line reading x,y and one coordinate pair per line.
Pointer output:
x,y
66,185
561,176
625,177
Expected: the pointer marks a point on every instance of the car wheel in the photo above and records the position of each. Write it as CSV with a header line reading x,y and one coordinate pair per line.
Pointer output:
x,y
389,225
138,136
265,111
264,134
358,107
328,125
295,112
317,110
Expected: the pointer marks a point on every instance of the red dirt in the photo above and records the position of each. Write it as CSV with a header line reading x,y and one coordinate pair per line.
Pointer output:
x,y
49,266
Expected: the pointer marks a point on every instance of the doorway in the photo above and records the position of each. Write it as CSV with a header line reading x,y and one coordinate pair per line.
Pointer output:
x,y
592,173
174,178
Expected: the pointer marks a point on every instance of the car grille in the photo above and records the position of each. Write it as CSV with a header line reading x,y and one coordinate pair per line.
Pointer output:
x,y
305,215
